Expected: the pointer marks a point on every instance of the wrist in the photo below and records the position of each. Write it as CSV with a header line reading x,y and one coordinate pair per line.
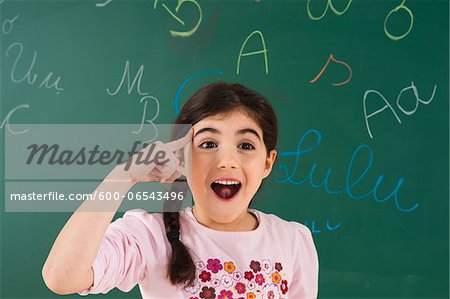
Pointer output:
x,y
118,174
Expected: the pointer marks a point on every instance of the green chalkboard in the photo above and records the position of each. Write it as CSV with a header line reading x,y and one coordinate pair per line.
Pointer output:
x,y
361,89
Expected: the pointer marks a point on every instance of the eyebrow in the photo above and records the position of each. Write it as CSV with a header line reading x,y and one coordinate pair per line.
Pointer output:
x,y
239,132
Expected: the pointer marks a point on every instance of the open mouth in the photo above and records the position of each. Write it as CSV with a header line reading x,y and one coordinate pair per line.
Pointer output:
x,y
225,191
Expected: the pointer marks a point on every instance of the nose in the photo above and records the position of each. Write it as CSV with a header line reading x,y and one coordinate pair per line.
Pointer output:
x,y
227,157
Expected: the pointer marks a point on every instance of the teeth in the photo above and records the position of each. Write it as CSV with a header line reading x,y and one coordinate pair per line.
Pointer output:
x,y
227,182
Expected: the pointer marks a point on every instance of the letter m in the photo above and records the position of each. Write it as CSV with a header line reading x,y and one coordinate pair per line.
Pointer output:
x,y
44,151
126,75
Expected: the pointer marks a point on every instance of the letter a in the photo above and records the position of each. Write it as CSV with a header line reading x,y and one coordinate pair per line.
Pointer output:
x,y
264,51
366,117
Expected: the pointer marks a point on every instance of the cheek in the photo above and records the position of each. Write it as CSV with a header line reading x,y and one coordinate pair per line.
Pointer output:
x,y
200,161
198,175
256,163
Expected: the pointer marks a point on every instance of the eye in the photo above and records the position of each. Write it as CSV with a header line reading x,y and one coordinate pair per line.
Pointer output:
x,y
248,144
206,142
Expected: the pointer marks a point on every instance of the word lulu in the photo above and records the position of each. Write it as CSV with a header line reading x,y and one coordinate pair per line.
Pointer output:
x,y
350,184
328,226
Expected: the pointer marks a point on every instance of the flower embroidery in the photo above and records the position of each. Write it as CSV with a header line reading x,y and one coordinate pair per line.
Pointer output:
x,y
200,265
194,288
225,295
214,265
270,291
251,295
229,267
255,266
205,276
276,278
260,279
278,267
227,281
240,288
237,275
223,280
248,275
284,287
267,266
207,293
215,282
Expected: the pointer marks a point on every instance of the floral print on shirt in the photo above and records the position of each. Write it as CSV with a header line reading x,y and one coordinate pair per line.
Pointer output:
x,y
218,279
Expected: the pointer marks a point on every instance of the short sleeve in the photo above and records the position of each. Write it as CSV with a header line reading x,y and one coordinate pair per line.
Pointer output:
x,y
306,272
129,250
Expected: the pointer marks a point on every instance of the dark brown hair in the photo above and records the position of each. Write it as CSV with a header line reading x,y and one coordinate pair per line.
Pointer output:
x,y
218,98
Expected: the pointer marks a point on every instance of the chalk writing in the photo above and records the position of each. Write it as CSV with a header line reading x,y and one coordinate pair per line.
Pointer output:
x,y
328,226
7,27
330,6
176,100
396,9
349,183
326,65
8,117
263,51
150,121
126,75
137,81
29,76
388,105
10,24
103,4
177,8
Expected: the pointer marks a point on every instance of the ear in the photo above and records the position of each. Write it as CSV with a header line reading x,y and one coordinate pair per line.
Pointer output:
x,y
269,163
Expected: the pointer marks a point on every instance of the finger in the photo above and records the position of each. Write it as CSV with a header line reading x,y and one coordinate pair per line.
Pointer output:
x,y
180,143
173,177
159,171
167,176
168,168
182,170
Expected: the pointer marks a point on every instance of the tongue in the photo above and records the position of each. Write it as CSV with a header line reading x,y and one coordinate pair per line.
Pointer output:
x,y
225,191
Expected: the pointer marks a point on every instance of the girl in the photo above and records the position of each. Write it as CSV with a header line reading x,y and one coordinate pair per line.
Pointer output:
x,y
220,248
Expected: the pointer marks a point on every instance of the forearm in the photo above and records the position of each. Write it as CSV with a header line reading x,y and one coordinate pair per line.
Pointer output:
x,y
76,246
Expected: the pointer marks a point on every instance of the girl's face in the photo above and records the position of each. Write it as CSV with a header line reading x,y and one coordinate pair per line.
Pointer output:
x,y
226,147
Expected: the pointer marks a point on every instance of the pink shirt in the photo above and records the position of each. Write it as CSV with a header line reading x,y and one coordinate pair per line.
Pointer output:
x,y
276,260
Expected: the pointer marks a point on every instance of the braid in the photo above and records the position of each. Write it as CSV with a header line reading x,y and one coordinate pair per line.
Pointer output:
x,y
181,267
